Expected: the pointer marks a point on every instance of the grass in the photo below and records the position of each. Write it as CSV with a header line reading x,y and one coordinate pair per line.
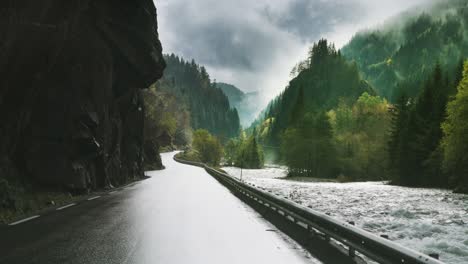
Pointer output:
x,y
26,203
189,155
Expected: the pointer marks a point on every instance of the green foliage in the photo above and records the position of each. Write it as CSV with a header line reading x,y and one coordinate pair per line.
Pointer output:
x,y
399,140
296,121
233,93
166,121
230,151
19,199
207,146
321,82
245,103
414,148
189,155
402,55
208,106
249,154
307,147
167,125
455,140
415,62
360,137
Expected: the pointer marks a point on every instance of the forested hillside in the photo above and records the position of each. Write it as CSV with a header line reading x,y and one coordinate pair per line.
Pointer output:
x,y
328,122
416,145
323,80
399,57
167,124
208,106
234,94
247,104
417,63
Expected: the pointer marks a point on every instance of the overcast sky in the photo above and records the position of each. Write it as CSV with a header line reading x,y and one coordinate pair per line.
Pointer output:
x,y
254,44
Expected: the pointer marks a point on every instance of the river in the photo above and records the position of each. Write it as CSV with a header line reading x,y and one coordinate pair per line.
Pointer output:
x,y
426,220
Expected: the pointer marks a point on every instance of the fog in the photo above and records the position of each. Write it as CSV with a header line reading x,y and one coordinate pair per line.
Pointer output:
x,y
255,44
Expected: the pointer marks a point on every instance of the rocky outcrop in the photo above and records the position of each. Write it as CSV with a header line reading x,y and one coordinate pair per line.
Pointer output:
x,y
71,74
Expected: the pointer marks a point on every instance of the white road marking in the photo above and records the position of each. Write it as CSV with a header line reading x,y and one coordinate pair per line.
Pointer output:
x,y
24,220
94,198
112,192
66,206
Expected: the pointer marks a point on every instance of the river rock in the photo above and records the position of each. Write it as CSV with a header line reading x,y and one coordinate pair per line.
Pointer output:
x,y
72,71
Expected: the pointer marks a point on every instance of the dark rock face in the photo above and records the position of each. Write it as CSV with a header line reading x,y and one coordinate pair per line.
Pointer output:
x,y
71,74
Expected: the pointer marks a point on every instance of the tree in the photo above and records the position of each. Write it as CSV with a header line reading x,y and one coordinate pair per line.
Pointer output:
x,y
208,147
307,149
207,105
298,110
398,138
167,124
249,154
415,152
360,136
455,140
230,151
430,113
405,53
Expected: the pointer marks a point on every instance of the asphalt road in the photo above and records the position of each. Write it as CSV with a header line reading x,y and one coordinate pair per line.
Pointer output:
x,y
179,215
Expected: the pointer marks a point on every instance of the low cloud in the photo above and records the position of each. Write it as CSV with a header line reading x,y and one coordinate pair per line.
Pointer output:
x,y
254,44
309,19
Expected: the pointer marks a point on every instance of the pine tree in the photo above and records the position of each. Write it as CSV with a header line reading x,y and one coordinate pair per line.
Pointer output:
x,y
398,138
431,114
298,109
208,106
415,155
455,141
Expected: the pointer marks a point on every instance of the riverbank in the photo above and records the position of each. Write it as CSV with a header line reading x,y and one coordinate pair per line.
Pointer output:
x,y
308,179
426,220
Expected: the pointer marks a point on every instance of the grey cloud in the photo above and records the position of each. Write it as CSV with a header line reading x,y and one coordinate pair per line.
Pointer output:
x,y
254,44
310,19
216,39
225,45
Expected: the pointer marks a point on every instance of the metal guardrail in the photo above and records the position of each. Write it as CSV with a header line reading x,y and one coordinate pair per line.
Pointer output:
x,y
355,239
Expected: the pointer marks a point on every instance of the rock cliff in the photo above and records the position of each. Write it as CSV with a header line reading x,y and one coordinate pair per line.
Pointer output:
x,y
71,74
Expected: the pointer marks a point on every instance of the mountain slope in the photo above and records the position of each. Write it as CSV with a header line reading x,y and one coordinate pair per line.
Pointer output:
x,y
246,103
326,80
300,125
234,94
400,56
208,106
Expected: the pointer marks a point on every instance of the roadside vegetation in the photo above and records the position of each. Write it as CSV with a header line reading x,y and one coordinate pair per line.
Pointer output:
x,y
205,148
242,152
332,124
19,200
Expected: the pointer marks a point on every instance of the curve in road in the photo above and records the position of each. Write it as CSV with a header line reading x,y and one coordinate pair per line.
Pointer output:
x,y
179,215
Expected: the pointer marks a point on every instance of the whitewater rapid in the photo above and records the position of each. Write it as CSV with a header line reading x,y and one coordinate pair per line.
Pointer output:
x,y
426,220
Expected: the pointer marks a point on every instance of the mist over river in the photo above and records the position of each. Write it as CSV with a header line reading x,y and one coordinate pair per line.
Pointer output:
x,y
426,220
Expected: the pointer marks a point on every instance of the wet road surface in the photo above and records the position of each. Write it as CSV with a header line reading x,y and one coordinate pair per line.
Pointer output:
x,y
179,215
